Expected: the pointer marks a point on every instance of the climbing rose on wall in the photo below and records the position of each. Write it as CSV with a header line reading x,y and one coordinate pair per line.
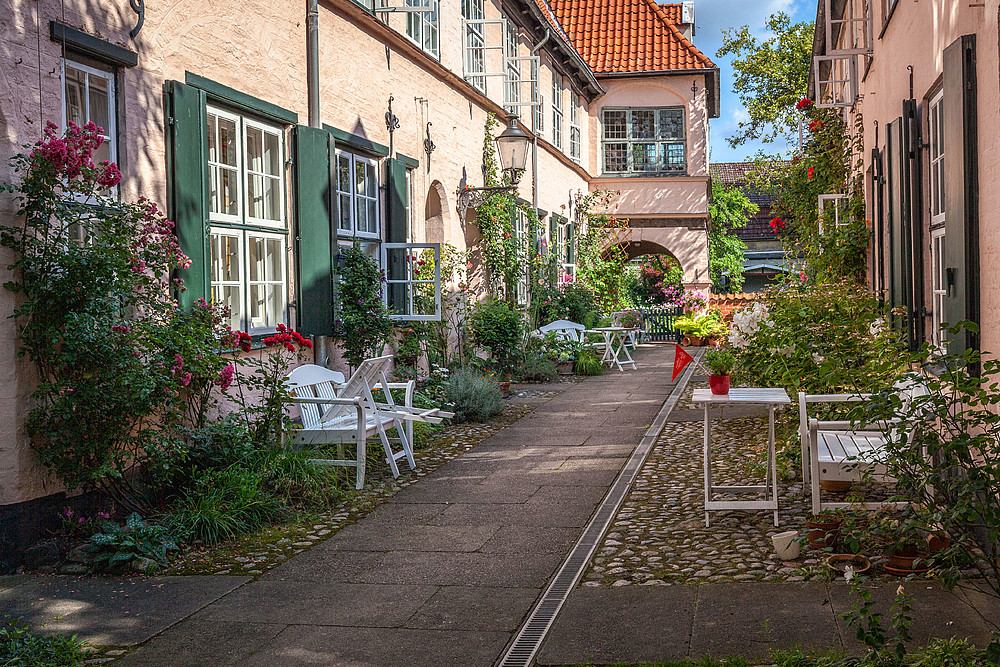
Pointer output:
x,y
804,103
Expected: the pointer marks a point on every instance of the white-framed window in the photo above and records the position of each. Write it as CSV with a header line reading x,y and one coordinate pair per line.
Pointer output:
x,y
935,121
413,281
246,174
422,27
249,277
475,43
539,116
836,81
574,126
512,68
89,96
357,195
939,286
522,244
644,140
245,170
832,209
557,111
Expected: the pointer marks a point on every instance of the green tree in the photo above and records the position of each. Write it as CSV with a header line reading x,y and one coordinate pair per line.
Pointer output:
x,y
771,76
729,209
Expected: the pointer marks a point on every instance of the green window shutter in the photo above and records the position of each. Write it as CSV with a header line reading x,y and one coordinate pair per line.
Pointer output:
x,y
961,188
397,200
315,250
188,186
571,243
894,153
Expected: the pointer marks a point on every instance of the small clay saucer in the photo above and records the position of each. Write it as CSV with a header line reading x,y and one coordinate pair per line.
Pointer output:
x,y
903,573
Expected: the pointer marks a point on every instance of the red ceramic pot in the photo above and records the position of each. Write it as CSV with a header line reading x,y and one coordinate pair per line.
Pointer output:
x,y
719,383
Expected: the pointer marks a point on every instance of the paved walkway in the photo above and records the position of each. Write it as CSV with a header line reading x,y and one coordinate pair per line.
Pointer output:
x,y
447,571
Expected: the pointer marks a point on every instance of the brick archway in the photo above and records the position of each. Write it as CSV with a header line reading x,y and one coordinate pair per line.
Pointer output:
x,y
689,246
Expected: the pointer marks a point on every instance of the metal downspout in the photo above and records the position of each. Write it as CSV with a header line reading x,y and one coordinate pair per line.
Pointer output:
x,y
534,130
320,350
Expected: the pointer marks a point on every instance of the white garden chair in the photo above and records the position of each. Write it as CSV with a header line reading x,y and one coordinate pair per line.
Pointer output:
x,y
574,332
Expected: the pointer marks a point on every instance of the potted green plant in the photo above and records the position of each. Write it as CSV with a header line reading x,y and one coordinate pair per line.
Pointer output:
x,y
720,364
824,528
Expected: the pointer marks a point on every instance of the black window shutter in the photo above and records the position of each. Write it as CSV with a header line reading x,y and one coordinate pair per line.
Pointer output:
x,y
315,250
913,288
571,243
894,174
397,200
961,189
188,185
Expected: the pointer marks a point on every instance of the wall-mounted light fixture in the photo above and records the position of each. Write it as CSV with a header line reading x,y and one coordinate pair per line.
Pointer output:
x,y
512,145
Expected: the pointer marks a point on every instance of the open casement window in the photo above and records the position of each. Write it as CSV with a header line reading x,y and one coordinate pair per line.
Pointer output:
x,y
422,24
557,111
539,116
523,245
413,281
939,290
574,127
935,127
474,43
833,211
848,32
836,81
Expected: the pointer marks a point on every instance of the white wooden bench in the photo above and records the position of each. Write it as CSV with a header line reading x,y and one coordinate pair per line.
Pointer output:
x,y
339,412
844,450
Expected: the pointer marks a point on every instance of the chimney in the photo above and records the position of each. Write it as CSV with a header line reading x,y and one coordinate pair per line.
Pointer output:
x,y
686,26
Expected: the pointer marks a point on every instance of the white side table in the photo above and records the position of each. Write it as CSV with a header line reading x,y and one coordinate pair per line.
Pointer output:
x,y
743,396
614,347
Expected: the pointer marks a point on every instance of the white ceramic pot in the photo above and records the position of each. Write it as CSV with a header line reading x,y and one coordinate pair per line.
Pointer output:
x,y
787,545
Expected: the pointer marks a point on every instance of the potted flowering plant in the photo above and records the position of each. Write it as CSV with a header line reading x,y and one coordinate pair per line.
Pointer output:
x,y
720,363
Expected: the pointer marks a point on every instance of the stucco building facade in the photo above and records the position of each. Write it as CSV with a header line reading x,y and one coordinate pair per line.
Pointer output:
x,y
206,106
920,80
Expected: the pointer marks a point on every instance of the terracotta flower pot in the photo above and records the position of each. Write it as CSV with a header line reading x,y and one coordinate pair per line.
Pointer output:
x,y
564,367
505,387
823,531
839,562
719,383
836,485
907,559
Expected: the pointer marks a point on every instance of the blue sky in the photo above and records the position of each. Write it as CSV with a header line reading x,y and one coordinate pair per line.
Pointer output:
x,y
711,17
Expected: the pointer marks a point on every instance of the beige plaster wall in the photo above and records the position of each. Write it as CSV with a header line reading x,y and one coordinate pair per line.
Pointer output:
x,y
917,34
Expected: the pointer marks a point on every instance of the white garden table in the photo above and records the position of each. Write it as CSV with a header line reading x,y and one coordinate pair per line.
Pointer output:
x,y
614,347
742,396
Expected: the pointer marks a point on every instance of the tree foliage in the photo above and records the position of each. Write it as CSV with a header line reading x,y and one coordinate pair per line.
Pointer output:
x,y
729,209
365,326
771,75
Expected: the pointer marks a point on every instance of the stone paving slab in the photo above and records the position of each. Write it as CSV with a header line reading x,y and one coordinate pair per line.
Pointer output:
x,y
113,611
410,538
185,644
371,647
298,602
474,608
460,569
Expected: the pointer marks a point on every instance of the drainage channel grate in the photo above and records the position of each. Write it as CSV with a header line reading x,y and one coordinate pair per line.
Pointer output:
x,y
529,639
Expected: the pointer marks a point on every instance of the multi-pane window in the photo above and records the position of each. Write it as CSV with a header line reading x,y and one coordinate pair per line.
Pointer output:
x,y
644,140
522,243
574,126
512,69
422,27
557,111
89,96
475,43
567,258
248,270
935,120
357,195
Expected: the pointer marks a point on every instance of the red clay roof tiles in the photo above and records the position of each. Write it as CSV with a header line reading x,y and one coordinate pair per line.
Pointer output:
x,y
620,36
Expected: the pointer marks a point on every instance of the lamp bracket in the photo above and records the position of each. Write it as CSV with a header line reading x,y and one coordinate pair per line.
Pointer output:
x,y
467,198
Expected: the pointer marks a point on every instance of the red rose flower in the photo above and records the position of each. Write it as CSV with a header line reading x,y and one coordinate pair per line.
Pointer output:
x,y
804,103
810,172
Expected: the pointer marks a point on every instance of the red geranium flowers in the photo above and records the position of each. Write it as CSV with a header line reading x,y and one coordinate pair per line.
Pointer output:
x,y
287,337
804,103
777,224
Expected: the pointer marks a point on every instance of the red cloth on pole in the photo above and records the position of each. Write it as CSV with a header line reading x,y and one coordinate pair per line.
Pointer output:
x,y
681,359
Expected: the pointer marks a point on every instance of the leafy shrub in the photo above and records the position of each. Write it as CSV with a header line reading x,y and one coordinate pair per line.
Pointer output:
x,y
496,326
537,368
821,339
473,397
588,362
364,326
20,646
709,324
570,301
120,545
223,504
